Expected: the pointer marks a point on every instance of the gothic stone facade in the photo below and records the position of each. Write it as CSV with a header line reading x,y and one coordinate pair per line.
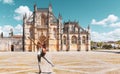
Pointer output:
x,y
61,36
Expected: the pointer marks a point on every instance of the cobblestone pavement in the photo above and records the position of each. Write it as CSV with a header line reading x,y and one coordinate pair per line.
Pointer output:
x,y
92,62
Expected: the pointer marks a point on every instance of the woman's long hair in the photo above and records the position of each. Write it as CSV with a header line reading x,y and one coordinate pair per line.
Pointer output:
x,y
44,45
38,45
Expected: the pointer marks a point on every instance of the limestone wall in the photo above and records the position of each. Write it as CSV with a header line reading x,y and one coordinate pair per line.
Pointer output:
x,y
5,44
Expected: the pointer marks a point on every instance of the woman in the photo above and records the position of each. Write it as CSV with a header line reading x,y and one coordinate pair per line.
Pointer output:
x,y
41,48
41,51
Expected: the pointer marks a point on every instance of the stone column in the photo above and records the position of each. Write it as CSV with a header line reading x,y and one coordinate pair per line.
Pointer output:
x,y
67,44
87,42
33,26
57,35
78,42
23,37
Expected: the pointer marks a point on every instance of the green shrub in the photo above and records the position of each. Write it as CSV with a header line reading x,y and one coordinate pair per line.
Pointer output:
x,y
107,46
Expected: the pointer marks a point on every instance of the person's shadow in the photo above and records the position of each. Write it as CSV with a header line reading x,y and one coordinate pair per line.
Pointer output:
x,y
44,73
116,52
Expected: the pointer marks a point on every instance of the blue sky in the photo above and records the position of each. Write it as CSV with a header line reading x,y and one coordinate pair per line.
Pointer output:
x,y
103,16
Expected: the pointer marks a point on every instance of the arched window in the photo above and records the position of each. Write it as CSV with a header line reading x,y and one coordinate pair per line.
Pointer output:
x,y
74,40
64,40
83,39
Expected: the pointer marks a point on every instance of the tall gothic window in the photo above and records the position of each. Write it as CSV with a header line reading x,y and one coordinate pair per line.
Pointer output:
x,y
31,31
55,32
43,19
83,39
74,40
73,28
64,40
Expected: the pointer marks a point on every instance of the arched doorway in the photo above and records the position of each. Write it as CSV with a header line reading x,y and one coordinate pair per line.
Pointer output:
x,y
43,39
12,47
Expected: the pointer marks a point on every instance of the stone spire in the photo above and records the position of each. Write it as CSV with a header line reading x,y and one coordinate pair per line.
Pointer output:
x,y
35,8
60,20
24,16
88,27
50,7
60,16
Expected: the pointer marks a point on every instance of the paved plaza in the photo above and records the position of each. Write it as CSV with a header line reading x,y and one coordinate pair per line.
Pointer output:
x,y
91,62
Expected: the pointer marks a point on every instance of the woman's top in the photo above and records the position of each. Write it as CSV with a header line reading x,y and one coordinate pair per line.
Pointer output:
x,y
42,52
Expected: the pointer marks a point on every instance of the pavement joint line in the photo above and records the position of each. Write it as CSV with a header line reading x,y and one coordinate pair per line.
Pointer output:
x,y
102,71
13,72
82,66
78,71
15,67
107,70
85,66
16,71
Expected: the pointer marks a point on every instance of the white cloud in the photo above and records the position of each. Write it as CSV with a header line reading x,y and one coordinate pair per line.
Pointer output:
x,y
98,23
6,29
22,10
18,29
117,24
8,1
109,36
109,20
112,18
0,29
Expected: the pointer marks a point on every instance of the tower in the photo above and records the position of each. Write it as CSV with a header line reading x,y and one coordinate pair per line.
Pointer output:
x,y
60,31
88,38
33,29
23,37
59,28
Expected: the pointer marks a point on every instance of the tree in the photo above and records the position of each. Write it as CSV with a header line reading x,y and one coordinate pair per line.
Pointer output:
x,y
107,46
118,42
93,45
99,44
